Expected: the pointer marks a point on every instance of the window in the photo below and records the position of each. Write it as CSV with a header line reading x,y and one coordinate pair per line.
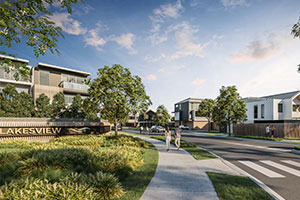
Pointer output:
x,y
44,78
262,107
255,111
280,107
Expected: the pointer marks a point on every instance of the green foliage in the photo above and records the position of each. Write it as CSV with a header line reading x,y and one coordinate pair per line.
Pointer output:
x,y
296,29
20,69
31,19
230,108
161,116
43,107
297,147
118,93
58,104
206,109
86,167
90,109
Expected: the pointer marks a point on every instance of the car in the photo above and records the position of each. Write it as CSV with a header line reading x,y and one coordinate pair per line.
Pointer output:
x,y
183,127
157,129
119,127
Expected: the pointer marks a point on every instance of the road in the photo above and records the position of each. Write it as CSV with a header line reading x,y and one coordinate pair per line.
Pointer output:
x,y
271,163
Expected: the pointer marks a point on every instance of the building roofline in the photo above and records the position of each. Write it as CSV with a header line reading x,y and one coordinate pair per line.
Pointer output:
x,y
14,58
274,96
189,99
63,68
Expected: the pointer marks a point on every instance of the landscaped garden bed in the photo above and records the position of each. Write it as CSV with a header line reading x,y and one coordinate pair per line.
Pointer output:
x,y
86,167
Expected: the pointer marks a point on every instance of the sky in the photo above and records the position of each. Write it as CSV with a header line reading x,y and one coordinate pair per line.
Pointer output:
x,y
182,48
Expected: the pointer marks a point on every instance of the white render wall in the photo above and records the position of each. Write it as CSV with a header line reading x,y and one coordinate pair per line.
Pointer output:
x,y
270,110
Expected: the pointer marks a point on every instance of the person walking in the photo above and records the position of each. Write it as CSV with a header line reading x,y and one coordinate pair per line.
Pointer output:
x,y
177,134
141,130
168,138
268,131
272,131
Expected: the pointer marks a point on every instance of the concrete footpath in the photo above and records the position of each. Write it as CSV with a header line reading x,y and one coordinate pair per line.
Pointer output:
x,y
180,177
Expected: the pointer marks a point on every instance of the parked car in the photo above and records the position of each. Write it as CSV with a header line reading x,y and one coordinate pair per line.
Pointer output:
x,y
119,127
157,129
183,127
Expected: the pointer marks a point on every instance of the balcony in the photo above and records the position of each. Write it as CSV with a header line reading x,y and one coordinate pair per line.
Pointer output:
x,y
75,86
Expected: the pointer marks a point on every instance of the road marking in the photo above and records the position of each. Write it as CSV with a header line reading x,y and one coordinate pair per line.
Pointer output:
x,y
291,162
262,170
282,167
258,147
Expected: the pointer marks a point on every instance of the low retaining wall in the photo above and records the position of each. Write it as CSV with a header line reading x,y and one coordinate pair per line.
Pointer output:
x,y
26,127
283,129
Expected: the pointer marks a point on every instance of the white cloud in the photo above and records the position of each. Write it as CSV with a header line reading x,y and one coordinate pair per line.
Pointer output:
x,y
185,42
260,49
167,11
233,3
68,24
92,38
126,41
198,82
151,77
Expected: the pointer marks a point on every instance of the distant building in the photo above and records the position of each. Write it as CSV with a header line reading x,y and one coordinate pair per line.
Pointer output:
x,y
22,85
51,79
185,114
284,106
132,121
146,119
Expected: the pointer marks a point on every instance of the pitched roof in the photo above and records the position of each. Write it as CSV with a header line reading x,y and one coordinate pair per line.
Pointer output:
x,y
286,95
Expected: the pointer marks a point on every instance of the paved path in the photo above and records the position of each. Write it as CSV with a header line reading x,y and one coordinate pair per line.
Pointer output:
x,y
178,177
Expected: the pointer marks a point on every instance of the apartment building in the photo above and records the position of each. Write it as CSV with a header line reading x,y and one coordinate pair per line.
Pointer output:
x,y
47,79
22,85
51,79
185,114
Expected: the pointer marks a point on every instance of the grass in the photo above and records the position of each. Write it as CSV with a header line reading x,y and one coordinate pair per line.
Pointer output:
x,y
297,148
141,176
192,148
236,187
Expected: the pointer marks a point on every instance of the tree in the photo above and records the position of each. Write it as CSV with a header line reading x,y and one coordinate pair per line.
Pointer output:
x,y
8,105
206,109
118,93
31,20
230,108
58,105
25,105
296,33
90,109
161,116
43,107
76,109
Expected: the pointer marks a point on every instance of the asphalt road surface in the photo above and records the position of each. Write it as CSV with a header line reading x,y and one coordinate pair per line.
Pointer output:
x,y
271,163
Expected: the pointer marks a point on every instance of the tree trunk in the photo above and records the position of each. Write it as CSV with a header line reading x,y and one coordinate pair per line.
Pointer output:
x,y
229,130
209,125
116,128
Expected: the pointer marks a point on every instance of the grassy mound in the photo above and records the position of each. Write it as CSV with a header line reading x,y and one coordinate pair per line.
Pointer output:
x,y
89,167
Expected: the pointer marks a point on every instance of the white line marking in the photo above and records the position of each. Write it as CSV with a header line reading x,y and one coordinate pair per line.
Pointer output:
x,y
258,147
291,162
282,167
263,170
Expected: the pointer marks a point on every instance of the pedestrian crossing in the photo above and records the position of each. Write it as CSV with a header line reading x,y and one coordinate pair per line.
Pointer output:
x,y
266,167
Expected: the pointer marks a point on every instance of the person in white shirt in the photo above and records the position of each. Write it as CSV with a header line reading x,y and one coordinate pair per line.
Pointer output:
x,y
168,138
268,131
